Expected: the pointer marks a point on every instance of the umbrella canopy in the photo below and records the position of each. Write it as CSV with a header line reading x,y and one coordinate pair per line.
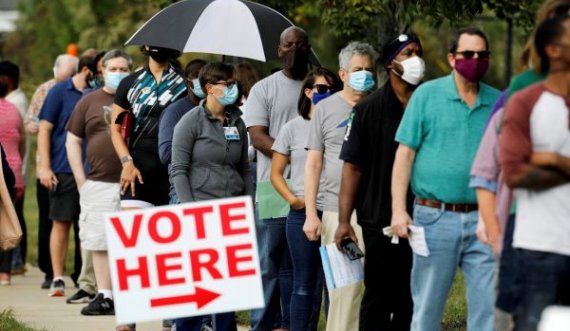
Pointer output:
x,y
227,27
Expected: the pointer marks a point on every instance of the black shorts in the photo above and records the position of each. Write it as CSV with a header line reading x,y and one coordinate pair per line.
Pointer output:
x,y
64,199
155,185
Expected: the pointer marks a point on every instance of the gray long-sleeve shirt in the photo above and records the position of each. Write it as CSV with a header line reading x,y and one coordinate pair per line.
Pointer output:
x,y
205,165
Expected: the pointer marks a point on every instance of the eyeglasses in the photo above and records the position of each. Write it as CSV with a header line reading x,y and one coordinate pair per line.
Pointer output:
x,y
228,83
471,54
322,88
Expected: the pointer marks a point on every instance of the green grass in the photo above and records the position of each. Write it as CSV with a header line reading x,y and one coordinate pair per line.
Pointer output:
x,y
8,322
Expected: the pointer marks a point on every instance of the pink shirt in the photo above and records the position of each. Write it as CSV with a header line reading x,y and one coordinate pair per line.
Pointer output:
x,y
10,135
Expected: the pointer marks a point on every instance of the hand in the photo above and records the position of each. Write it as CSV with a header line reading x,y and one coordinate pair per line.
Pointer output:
x,y
400,222
489,235
47,178
344,230
312,227
129,175
31,127
298,203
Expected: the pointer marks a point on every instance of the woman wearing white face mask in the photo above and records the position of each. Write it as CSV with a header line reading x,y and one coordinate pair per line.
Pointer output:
x,y
209,156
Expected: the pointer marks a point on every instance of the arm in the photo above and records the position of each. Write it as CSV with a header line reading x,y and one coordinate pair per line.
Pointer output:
x,y
401,174
33,110
165,132
130,172
536,178
45,174
492,229
243,167
261,139
73,146
278,165
554,160
182,147
313,167
351,175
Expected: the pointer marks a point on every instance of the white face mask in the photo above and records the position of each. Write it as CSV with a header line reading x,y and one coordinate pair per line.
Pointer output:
x,y
414,69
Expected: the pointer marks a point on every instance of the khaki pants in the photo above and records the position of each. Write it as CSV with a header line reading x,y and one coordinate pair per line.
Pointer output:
x,y
86,279
344,307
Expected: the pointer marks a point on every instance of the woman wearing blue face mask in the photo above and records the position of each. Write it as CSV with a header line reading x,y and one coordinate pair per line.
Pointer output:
x,y
209,156
289,149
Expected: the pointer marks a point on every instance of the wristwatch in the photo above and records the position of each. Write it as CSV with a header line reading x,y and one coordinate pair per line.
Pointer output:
x,y
126,159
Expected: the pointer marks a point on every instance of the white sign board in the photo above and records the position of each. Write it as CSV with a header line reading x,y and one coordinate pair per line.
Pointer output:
x,y
184,260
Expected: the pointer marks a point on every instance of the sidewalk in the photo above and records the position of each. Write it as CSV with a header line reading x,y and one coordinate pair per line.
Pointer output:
x,y
32,306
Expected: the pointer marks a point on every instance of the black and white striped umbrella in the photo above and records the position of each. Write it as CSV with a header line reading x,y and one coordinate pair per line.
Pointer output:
x,y
227,27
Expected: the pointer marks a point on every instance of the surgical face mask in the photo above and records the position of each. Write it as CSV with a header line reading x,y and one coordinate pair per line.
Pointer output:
x,y
317,97
197,90
414,70
230,95
472,69
112,79
94,81
361,81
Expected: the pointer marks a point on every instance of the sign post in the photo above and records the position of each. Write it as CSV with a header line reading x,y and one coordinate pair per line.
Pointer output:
x,y
184,260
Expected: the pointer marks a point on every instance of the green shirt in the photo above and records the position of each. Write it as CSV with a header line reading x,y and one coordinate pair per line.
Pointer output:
x,y
445,134
525,79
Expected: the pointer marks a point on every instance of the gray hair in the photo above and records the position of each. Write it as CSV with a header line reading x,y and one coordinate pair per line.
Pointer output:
x,y
115,53
65,58
355,48
291,28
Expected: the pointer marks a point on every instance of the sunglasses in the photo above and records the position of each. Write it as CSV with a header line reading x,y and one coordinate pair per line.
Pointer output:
x,y
471,54
322,88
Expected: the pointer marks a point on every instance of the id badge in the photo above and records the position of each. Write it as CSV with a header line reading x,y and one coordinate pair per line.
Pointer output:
x,y
231,133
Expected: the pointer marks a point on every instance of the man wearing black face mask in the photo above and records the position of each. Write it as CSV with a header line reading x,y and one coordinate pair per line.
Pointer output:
x,y
368,153
145,93
272,102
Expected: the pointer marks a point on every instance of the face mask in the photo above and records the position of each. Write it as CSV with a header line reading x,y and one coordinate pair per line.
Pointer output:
x,y
162,55
197,90
230,95
94,82
320,96
112,79
361,81
472,69
414,69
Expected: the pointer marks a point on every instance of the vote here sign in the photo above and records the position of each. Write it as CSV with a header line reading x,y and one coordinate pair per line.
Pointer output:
x,y
184,260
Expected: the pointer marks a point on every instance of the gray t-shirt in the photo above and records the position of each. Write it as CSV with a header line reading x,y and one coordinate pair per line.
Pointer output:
x,y
272,102
326,134
291,141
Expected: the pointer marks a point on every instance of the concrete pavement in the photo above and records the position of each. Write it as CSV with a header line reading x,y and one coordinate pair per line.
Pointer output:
x,y
32,306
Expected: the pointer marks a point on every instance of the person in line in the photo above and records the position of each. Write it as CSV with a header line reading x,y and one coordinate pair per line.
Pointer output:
x,y
145,94
64,67
54,171
289,150
13,140
535,159
326,135
438,136
209,157
272,102
368,153
99,190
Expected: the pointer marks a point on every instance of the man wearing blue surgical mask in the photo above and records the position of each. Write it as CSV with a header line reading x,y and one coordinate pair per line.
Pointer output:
x,y
99,189
368,153
328,128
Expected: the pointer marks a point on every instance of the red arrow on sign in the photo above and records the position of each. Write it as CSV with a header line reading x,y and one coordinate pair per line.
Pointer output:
x,y
201,297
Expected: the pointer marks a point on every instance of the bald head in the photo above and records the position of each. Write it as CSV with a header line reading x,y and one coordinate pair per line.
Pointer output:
x,y
65,66
293,29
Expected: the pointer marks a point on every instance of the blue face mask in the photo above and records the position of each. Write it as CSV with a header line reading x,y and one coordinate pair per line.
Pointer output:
x,y
230,95
112,79
320,96
361,81
197,90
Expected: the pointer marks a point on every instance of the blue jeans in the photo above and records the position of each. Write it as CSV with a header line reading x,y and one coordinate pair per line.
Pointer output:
x,y
276,275
544,280
307,274
452,243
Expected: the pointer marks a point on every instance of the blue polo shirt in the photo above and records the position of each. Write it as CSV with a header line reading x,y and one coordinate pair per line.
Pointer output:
x,y
57,108
445,134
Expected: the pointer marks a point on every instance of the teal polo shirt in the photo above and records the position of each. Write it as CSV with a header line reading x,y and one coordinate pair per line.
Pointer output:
x,y
445,134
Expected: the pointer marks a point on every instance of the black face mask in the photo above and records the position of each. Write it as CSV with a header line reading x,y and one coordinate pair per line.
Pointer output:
x,y
296,59
162,55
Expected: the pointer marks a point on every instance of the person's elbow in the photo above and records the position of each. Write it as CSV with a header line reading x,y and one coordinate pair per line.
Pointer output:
x,y
405,154
165,154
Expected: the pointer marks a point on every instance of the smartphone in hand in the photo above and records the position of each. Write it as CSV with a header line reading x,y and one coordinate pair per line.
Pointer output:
x,y
351,250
